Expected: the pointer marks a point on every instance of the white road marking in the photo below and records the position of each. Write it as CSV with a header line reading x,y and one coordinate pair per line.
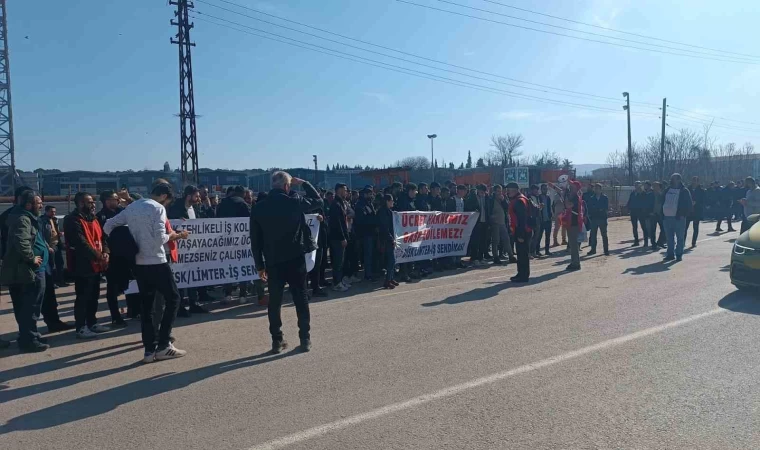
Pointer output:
x,y
322,430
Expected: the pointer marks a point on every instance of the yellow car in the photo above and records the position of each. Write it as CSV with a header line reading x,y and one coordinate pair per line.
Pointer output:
x,y
745,258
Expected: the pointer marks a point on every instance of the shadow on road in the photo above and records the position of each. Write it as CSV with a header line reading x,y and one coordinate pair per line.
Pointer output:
x,y
741,302
110,399
485,293
659,266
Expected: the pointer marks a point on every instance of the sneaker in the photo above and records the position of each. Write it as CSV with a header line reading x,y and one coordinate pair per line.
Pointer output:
x,y
59,326
198,309
305,345
389,285
340,287
183,312
591,252
97,328
498,262
635,244
86,333
354,279
606,253
512,260
33,347
226,299
243,299
394,282
679,258
669,258
279,346
572,268
148,357
517,279
170,352
318,293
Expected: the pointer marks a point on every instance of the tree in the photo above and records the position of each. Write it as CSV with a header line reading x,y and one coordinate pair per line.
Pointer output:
x,y
546,160
480,163
451,166
414,163
469,160
507,148
461,166
567,164
435,163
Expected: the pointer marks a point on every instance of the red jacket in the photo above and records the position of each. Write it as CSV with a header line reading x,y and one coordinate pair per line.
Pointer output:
x,y
171,245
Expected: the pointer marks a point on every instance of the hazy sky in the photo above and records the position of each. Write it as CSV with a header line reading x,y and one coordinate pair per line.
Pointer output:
x,y
95,83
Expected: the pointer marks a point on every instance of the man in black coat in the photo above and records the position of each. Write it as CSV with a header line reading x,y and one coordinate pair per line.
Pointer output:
x,y
339,235
279,240
597,206
637,208
697,214
725,201
234,206
435,200
365,228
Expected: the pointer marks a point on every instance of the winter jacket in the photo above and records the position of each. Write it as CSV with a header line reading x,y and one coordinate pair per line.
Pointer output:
x,y
231,207
337,221
598,207
405,203
22,247
82,250
178,211
365,222
685,205
385,225
450,205
698,197
436,203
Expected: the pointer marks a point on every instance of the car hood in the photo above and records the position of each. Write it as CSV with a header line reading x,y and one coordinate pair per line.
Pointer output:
x,y
751,237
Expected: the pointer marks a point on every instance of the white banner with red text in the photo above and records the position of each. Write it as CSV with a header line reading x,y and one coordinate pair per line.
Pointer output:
x,y
218,251
429,235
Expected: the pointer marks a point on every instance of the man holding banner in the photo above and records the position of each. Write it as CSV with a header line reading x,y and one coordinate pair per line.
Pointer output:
x,y
279,240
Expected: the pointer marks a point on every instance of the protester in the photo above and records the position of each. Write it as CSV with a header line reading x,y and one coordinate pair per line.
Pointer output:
x,y
186,208
518,222
338,232
206,209
279,240
750,202
637,208
110,201
387,240
149,226
234,205
88,257
498,221
657,218
573,219
558,206
435,199
23,269
479,203
365,227
53,238
726,202
697,212
545,218
4,218
598,205
676,207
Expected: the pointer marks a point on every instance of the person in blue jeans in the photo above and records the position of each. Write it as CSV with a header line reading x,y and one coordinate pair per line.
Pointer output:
x,y
387,239
676,207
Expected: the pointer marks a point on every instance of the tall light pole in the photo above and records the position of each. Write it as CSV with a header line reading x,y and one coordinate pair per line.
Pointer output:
x,y
432,156
627,108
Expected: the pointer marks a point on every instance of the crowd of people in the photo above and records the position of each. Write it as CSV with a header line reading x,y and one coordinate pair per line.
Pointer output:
x,y
131,238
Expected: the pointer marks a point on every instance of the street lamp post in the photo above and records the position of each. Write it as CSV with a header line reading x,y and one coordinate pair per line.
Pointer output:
x,y
432,156
627,108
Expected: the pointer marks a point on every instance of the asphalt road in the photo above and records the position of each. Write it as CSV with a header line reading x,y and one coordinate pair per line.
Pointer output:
x,y
630,352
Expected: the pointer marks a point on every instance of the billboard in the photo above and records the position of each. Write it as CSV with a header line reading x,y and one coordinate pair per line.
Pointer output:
x,y
519,175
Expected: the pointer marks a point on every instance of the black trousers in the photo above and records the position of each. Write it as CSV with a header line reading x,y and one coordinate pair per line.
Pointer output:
x,y
523,259
112,297
599,226
546,228
27,299
479,241
151,279
293,273
50,302
87,290
695,235
725,213
654,221
57,261
642,220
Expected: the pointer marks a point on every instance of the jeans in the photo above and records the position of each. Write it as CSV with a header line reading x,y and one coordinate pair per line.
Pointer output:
x,y
675,230
87,290
50,302
573,231
523,259
351,259
500,236
546,229
317,270
336,252
27,300
599,225
479,241
57,260
292,272
390,261
654,240
151,279
695,233
369,244
643,221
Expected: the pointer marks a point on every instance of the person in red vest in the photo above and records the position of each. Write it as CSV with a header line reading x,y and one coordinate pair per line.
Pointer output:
x,y
519,213
87,256
572,219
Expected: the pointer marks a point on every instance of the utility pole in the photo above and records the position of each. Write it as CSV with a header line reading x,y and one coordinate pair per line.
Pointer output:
x,y
316,171
7,150
432,157
662,140
627,107
188,137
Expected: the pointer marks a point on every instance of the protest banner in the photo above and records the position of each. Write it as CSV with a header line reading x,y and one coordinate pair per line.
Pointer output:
x,y
429,235
218,251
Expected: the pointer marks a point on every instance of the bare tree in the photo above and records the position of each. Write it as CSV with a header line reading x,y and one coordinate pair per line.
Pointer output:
x,y
414,162
567,164
546,160
507,148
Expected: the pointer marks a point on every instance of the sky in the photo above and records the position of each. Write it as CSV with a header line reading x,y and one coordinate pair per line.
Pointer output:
x,y
95,84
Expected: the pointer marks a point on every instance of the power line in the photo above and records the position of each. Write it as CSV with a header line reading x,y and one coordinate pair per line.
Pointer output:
x,y
617,31
591,96
608,99
412,72
708,122
721,133
712,117
578,37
